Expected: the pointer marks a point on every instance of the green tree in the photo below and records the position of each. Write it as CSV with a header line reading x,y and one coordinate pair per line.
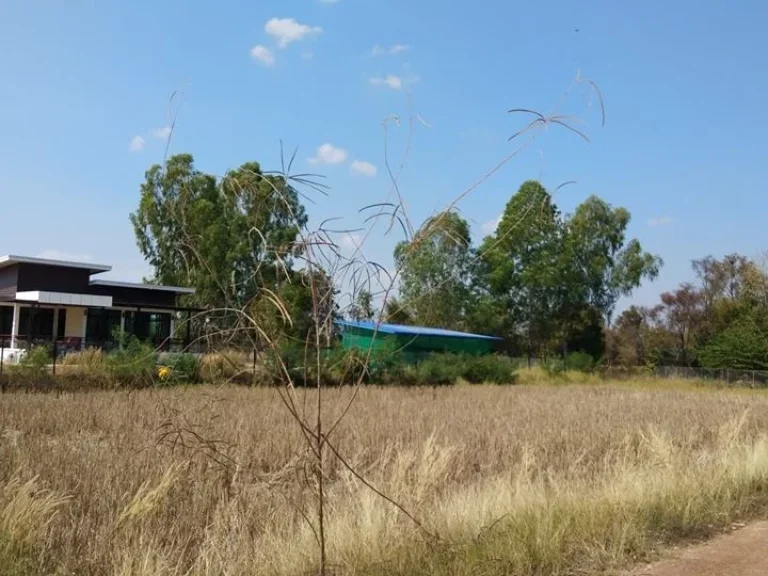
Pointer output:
x,y
559,278
741,346
608,266
435,272
395,312
227,238
519,265
362,307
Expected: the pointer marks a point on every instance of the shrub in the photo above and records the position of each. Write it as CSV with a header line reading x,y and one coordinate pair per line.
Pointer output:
x,y
134,365
576,361
581,362
183,368
496,369
439,369
442,369
36,360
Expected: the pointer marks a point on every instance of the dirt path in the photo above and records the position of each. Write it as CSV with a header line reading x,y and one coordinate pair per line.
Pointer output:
x,y
743,552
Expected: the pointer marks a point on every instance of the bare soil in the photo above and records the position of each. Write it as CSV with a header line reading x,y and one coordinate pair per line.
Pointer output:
x,y
743,552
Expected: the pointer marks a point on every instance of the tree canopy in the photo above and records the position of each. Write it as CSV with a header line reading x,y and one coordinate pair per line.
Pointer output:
x,y
556,276
227,237
434,272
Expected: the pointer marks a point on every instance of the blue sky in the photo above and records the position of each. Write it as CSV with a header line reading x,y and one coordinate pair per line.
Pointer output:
x,y
85,87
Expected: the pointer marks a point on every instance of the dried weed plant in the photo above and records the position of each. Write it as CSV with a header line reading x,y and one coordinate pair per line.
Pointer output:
x,y
326,270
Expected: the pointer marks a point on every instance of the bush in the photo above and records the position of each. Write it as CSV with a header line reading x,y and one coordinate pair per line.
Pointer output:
x,y
439,369
581,362
35,361
134,366
496,369
442,369
576,361
182,368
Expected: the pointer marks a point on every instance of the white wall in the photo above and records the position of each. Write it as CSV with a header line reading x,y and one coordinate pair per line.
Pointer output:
x,y
74,327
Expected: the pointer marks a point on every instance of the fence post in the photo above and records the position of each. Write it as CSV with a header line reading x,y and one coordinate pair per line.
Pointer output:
x,y
253,375
55,353
2,358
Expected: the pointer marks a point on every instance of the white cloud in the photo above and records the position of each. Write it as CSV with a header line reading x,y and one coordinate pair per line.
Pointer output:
x,y
364,168
54,254
263,55
329,154
490,226
162,133
379,50
351,240
287,30
660,221
137,144
391,81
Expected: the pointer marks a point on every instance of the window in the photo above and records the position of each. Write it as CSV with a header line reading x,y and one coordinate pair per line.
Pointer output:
x,y
42,322
101,324
148,325
159,326
6,320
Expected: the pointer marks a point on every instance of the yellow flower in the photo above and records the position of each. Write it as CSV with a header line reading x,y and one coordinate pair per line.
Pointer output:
x,y
164,372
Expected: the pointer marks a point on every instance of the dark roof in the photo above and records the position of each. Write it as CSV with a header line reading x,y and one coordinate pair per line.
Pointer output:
x,y
411,330
11,259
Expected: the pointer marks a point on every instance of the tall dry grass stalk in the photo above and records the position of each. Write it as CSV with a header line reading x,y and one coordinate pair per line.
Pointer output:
x,y
507,480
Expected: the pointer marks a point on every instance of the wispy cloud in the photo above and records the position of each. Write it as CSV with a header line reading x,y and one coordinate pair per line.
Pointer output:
x,y
137,144
162,133
54,254
263,55
350,240
490,226
390,80
329,1
364,168
308,55
660,221
329,154
287,30
379,50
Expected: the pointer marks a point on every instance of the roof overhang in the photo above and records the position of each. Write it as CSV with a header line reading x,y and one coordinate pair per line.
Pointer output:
x,y
138,286
64,299
11,260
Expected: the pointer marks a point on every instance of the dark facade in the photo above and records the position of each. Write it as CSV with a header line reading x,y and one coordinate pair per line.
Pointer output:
x,y
52,278
9,278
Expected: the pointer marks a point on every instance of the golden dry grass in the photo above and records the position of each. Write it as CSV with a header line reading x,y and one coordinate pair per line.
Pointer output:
x,y
507,480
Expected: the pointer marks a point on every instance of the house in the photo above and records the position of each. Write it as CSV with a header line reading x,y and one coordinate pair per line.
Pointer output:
x,y
413,341
43,299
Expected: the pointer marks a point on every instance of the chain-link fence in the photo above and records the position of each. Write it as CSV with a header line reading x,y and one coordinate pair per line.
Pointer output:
x,y
751,378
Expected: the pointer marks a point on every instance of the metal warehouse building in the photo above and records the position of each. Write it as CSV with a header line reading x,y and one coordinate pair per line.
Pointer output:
x,y
414,340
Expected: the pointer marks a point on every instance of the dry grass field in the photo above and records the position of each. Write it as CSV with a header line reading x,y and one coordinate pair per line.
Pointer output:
x,y
505,480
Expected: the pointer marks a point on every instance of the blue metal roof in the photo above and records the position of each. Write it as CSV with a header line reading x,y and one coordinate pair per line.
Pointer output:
x,y
411,330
